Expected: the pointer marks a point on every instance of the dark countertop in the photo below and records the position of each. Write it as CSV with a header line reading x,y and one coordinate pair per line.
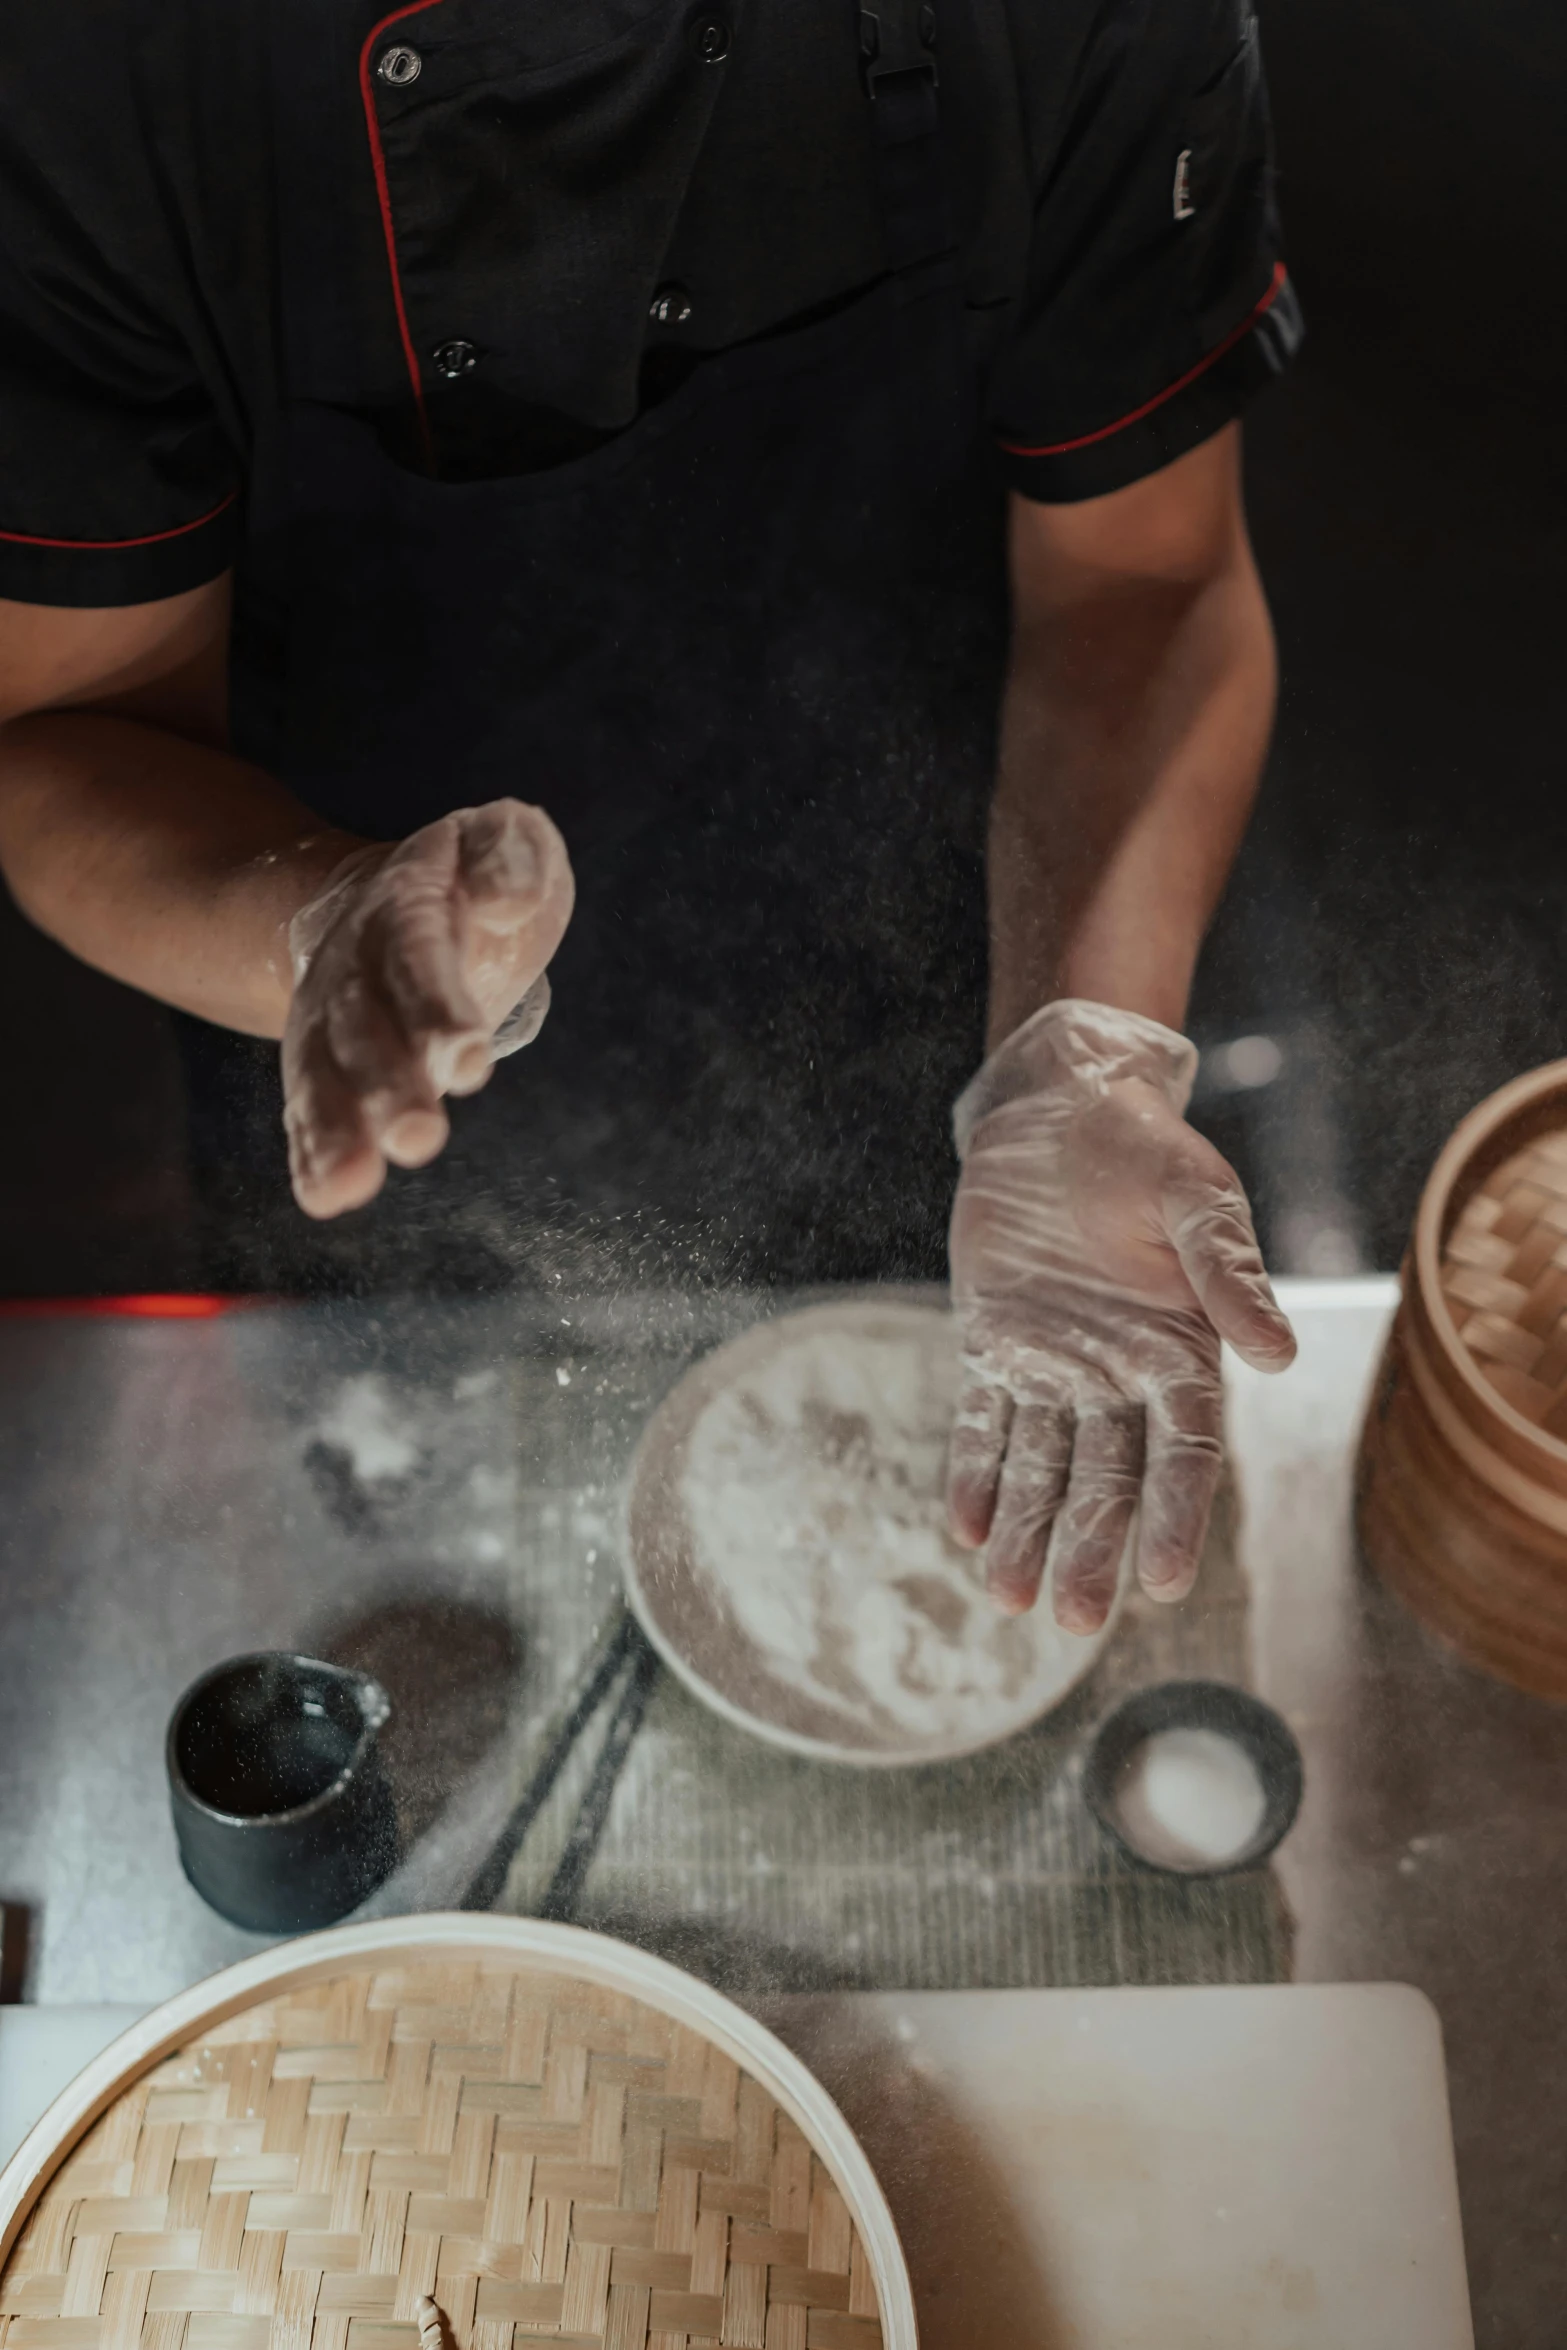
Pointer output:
x,y
431,1490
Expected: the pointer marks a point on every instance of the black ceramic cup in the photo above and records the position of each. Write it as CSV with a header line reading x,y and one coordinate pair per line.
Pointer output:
x,y
283,1816
1198,1705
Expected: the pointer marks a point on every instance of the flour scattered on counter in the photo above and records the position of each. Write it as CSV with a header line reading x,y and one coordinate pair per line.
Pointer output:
x,y
491,1488
812,1490
364,1425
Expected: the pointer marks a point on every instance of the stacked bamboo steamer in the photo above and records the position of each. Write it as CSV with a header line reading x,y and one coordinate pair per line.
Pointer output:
x,y
1462,1490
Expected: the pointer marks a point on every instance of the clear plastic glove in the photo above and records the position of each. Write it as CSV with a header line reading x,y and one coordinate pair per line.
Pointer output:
x,y
415,968
1100,1251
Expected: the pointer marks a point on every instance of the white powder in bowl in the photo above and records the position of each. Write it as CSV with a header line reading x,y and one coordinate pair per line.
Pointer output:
x,y
1190,1798
811,1490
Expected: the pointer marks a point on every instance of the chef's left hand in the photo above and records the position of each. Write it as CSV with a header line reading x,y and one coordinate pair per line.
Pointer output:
x,y
1101,1248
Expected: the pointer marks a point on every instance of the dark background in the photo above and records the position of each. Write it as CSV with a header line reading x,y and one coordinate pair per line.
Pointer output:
x,y
1396,923
1399,908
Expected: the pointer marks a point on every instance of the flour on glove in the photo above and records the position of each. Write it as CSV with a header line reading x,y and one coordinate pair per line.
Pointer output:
x,y
1100,1251
416,967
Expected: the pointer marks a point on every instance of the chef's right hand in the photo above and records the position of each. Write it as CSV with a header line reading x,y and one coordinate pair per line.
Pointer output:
x,y
415,968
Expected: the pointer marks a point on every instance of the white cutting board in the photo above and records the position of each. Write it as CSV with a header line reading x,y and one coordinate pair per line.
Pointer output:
x,y
41,2049
1264,2168
1231,2169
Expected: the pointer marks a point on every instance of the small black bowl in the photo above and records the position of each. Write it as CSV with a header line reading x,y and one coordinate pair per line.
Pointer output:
x,y
281,1810
1198,1705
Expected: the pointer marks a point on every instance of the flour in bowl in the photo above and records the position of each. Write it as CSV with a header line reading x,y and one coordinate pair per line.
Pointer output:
x,y
812,1494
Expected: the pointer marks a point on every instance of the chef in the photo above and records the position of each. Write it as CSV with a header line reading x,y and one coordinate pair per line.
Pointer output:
x,y
632,509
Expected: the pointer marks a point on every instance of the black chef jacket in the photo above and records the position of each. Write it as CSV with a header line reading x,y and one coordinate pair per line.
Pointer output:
x,y
536,244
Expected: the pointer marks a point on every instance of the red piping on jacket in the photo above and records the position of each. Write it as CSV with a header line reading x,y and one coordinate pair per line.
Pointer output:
x,y
23,538
384,198
1086,440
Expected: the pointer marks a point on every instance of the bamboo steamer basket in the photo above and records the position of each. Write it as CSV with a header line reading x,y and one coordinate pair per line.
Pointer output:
x,y
1462,1484
559,2139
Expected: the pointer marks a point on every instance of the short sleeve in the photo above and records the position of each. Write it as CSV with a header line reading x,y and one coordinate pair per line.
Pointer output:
x,y
1157,301
118,479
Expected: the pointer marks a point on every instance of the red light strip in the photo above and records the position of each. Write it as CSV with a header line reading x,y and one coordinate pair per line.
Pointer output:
x,y
153,1306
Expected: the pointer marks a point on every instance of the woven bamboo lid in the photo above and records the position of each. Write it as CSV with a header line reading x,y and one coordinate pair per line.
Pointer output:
x,y
1504,1277
1490,1272
554,2159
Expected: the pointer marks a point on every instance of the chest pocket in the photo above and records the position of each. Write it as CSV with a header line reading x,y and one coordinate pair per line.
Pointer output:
x,y
532,158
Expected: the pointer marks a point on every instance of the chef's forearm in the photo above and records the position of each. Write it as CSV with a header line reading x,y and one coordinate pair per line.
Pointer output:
x,y
165,862
1134,730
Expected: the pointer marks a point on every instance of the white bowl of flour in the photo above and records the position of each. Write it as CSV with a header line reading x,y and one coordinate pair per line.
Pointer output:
x,y
787,1551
